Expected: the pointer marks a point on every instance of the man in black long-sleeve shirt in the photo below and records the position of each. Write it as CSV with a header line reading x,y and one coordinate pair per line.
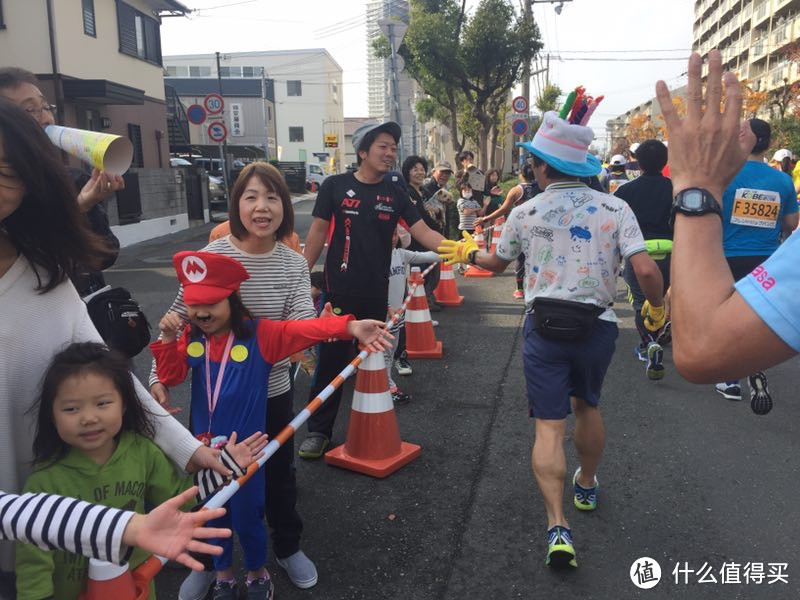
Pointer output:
x,y
650,198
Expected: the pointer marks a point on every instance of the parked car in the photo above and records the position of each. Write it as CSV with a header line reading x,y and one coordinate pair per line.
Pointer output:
x,y
212,165
217,199
176,161
315,176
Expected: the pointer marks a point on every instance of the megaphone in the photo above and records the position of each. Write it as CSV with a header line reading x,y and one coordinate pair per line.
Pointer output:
x,y
104,151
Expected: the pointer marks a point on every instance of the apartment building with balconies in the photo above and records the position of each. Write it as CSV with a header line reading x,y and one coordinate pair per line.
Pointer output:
x,y
752,36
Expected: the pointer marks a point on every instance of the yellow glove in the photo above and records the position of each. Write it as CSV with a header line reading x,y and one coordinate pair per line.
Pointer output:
x,y
453,252
654,316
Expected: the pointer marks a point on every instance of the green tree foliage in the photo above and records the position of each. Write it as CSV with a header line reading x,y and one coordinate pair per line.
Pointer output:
x,y
786,133
468,64
548,99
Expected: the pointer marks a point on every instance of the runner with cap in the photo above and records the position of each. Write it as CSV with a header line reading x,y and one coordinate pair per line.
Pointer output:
x,y
616,173
357,214
758,207
632,167
573,238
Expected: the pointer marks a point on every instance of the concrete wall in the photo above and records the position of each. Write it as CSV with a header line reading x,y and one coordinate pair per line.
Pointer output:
x,y
164,207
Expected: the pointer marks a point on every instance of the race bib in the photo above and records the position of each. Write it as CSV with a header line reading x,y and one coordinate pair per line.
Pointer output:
x,y
756,208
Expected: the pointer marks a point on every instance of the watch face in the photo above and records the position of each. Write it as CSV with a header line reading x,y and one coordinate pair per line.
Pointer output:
x,y
693,199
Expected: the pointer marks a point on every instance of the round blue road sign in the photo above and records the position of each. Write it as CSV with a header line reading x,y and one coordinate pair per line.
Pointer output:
x,y
196,114
519,127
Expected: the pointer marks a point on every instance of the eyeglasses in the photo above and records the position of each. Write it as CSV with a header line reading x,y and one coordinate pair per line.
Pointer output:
x,y
37,112
9,178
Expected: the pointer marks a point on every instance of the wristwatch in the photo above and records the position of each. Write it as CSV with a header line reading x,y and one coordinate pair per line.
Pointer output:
x,y
694,202
472,257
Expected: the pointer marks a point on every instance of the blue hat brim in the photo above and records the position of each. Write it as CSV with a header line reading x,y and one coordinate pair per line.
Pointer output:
x,y
591,167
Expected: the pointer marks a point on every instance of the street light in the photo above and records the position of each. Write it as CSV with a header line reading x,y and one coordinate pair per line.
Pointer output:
x,y
559,4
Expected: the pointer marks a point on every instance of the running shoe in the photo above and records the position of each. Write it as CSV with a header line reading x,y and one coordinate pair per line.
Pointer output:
x,y
760,398
655,359
641,352
518,294
403,367
585,498
665,335
560,552
730,390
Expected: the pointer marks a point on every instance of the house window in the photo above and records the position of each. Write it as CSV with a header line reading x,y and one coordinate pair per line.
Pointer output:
x,y
294,88
135,136
295,134
139,35
249,72
200,71
87,7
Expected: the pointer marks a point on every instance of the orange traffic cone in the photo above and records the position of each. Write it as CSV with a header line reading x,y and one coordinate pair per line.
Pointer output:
x,y
420,340
373,445
496,231
472,270
446,293
107,580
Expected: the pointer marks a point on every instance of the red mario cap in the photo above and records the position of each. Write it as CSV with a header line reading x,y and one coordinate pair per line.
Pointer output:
x,y
206,277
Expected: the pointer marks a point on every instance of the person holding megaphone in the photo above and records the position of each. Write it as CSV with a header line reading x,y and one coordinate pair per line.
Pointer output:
x,y
22,88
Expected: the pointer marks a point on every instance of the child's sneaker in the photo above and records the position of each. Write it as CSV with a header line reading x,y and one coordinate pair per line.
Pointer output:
x,y
403,367
518,294
226,590
260,589
399,397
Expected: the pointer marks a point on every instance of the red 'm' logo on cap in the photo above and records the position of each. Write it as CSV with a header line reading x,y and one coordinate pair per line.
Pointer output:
x,y
194,269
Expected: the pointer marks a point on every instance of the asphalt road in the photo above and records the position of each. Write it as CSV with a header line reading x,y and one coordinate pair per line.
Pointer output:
x,y
687,479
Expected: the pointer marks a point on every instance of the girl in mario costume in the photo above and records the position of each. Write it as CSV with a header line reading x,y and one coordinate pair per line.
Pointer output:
x,y
230,355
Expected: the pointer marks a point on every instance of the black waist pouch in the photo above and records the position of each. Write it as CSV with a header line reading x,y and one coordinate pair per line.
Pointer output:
x,y
564,320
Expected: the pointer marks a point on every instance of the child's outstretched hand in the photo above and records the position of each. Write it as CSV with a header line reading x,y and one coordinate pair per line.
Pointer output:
x,y
371,333
248,450
170,326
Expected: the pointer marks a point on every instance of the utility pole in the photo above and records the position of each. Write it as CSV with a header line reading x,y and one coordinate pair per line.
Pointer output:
x,y
396,113
223,147
527,16
264,110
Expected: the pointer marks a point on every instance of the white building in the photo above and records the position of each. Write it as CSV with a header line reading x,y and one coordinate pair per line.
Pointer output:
x,y
308,104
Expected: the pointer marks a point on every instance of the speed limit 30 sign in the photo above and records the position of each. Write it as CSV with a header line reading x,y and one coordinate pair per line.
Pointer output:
x,y
214,104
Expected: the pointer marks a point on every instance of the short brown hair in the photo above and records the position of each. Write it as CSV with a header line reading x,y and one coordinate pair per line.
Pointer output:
x,y
273,180
11,77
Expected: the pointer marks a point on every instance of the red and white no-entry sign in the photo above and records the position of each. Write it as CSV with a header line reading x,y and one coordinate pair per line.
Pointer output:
x,y
217,132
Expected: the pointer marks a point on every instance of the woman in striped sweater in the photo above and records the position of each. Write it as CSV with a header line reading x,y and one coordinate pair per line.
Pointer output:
x,y
278,289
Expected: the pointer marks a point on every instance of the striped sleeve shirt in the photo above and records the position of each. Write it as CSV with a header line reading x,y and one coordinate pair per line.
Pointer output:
x,y
279,289
58,523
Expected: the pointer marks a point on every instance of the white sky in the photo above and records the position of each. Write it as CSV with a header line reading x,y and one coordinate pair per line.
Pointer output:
x,y
615,29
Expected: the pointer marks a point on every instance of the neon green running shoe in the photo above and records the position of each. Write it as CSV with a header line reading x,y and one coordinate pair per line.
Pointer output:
x,y
584,499
560,552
